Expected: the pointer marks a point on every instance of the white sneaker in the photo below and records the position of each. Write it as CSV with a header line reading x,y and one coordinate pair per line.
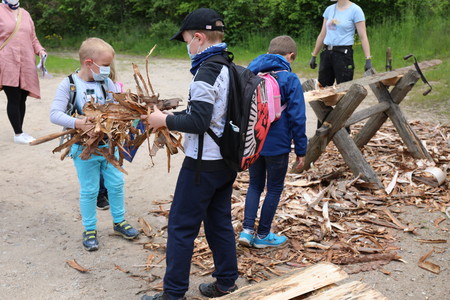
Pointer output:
x,y
29,137
21,139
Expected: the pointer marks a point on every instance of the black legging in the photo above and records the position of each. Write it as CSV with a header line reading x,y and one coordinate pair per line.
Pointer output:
x,y
16,106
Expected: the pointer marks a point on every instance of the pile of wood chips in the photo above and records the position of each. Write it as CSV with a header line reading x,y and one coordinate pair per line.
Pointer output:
x,y
329,215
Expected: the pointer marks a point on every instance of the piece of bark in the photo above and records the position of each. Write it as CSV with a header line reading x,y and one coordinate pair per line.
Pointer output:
x,y
292,284
350,290
366,258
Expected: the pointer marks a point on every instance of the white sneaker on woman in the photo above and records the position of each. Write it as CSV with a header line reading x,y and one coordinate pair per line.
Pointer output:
x,y
29,137
23,138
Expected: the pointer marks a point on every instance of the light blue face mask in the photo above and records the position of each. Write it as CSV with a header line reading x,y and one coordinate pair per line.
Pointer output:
x,y
104,73
191,56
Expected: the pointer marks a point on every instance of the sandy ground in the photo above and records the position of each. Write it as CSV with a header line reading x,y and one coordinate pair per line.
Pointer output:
x,y
41,226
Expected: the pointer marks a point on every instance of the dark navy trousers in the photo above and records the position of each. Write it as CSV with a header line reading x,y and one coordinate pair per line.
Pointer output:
x,y
209,201
270,169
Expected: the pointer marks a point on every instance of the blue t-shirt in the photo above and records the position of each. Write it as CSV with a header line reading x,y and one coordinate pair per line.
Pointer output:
x,y
341,24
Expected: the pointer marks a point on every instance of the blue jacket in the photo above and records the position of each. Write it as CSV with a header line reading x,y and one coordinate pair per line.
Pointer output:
x,y
292,123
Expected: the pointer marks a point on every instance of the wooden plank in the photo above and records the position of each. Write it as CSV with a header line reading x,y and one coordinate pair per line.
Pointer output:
x,y
350,291
367,80
391,81
292,284
398,94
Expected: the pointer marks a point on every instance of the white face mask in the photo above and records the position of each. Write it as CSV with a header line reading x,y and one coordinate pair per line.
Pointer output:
x,y
191,56
104,73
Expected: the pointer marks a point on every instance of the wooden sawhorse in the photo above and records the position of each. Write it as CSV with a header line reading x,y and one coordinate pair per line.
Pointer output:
x,y
334,120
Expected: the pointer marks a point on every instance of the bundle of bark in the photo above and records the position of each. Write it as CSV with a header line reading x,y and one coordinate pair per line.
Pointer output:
x,y
115,124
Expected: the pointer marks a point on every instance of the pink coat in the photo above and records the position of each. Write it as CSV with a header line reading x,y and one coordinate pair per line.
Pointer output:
x,y
18,58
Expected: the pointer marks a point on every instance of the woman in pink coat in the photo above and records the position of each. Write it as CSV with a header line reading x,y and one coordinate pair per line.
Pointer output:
x,y
18,76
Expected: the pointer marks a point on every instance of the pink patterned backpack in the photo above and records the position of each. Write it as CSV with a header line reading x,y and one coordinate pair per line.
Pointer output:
x,y
273,96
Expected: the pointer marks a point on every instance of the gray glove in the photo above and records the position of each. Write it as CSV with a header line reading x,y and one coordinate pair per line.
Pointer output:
x,y
312,62
368,64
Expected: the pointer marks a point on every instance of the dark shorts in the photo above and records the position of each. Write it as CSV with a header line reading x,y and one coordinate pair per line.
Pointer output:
x,y
336,64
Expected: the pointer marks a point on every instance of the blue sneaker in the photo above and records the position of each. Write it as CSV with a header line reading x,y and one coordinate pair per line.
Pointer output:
x,y
246,238
90,241
126,230
271,240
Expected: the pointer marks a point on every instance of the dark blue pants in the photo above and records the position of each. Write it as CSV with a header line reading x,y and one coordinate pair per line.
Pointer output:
x,y
275,167
102,189
210,202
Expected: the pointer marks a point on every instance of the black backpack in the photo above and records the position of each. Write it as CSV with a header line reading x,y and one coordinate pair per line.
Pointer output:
x,y
247,119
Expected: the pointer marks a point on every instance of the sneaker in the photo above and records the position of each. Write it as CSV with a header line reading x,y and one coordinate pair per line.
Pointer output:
x,y
21,139
271,240
28,137
211,290
159,296
246,238
102,202
126,230
90,241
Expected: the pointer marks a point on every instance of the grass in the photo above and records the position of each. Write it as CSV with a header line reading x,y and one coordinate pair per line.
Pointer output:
x,y
56,63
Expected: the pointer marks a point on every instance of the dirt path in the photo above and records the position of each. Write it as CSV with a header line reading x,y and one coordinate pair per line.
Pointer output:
x,y
41,226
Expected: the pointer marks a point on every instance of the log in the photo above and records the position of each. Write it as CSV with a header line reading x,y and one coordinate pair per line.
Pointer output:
x,y
354,158
292,284
409,137
332,122
363,114
351,290
398,94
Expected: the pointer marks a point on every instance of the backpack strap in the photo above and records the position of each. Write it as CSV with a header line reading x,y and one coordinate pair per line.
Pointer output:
x,y
223,60
104,85
70,110
227,60
274,74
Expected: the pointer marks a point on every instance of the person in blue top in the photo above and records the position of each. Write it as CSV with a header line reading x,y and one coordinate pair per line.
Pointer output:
x,y
271,167
336,40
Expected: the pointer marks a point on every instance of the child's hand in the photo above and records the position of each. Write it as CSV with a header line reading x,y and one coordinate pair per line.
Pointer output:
x,y
298,164
156,119
85,125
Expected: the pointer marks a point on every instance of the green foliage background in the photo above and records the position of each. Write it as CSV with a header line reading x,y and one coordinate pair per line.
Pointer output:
x,y
158,19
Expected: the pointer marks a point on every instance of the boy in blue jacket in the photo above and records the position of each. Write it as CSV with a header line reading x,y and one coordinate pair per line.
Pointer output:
x,y
272,165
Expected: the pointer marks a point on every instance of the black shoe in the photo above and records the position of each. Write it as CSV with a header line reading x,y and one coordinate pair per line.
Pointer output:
x,y
102,202
90,241
159,296
211,290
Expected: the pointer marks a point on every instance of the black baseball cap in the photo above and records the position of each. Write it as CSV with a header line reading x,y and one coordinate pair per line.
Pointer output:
x,y
199,19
